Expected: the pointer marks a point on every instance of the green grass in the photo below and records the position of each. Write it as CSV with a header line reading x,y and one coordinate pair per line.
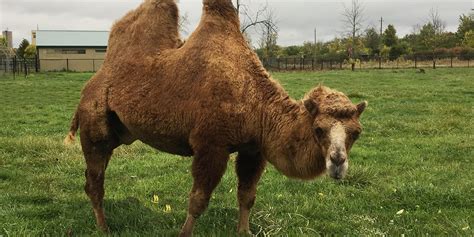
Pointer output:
x,y
415,154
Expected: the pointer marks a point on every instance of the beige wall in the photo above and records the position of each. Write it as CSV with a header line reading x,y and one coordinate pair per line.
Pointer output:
x,y
54,59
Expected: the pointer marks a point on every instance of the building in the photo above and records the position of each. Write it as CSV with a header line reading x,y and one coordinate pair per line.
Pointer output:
x,y
8,36
61,50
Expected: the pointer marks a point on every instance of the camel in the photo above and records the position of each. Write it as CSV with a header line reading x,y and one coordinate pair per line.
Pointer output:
x,y
206,98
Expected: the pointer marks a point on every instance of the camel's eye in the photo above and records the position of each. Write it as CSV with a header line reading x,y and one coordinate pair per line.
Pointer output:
x,y
319,132
355,136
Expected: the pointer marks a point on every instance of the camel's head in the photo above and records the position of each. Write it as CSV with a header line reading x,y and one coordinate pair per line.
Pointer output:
x,y
335,126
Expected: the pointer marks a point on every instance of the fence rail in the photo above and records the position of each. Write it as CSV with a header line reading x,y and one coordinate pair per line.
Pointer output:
x,y
318,64
23,66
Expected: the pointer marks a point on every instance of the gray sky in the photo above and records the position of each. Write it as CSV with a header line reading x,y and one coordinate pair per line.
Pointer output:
x,y
296,18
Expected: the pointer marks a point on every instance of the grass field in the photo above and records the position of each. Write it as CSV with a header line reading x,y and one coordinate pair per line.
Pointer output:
x,y
411,172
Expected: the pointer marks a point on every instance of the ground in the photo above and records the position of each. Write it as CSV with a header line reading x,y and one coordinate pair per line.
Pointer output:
x,y
411,172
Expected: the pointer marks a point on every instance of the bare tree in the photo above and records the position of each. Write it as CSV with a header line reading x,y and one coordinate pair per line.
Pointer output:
x,y
183,23
263,20
435,19
268,38
353,17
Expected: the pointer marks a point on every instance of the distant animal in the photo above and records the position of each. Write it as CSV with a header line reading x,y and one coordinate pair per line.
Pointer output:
x,y
207,98
421,70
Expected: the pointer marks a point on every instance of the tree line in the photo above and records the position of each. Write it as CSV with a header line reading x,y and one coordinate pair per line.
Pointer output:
x,y
429,40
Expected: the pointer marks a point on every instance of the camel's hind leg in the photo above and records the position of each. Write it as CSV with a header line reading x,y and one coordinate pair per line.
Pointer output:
x,y
249,168
97,154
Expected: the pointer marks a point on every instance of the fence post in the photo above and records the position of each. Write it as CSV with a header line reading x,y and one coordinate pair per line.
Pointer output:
x,y
416,66
312,64
294,63
380,61
14,67
67,64
451,61
36,63
26,67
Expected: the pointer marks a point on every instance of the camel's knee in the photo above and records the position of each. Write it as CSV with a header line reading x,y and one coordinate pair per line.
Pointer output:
x,y
94,187
246,199
198,203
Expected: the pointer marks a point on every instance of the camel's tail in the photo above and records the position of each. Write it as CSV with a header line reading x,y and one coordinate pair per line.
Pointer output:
x,y
71,137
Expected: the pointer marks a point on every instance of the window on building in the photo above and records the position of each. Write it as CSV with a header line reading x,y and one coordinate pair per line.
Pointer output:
x,y
101,50
66,51
74,51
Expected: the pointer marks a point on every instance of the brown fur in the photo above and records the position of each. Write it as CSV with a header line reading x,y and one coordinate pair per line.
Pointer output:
x,y
205,98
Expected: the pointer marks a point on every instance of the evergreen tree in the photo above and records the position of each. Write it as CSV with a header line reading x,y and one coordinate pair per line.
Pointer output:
x,y
22,48
372,41
390,36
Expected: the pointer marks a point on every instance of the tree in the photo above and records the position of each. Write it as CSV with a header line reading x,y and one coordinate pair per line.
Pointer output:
x,y
22,48
435,19
5,52
397,50
469,39
466,24
30,51
268,41
183,23
292,50
353,18
264,17
390,36
372,41
3,42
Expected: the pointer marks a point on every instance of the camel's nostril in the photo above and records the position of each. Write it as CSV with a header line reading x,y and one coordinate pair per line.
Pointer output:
x,y
338,159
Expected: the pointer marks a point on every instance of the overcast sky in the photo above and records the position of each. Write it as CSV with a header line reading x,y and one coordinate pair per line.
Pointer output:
x,y
296,18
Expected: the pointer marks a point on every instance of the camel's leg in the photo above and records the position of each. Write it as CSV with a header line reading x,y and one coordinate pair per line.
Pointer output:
x,y
208,167
97,156
249,169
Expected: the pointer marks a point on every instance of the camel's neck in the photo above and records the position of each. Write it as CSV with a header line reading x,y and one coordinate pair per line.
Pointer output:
x,y
287,138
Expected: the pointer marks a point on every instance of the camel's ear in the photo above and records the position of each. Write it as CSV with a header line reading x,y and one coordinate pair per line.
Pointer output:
x,y
361,107
311,106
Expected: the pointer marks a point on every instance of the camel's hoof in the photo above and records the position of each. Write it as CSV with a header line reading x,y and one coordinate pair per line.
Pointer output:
x,y
185,234
105,229
245,233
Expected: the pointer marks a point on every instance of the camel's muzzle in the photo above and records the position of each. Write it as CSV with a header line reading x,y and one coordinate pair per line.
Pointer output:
x,y
337,165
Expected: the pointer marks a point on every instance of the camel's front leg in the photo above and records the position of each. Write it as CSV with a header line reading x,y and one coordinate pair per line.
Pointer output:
x,y
249,169
208,167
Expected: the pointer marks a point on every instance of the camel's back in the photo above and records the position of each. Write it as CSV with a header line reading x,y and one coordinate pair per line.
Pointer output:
x,y
210,83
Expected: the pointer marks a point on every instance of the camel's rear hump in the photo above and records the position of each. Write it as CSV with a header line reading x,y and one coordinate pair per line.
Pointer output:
x,y
145,31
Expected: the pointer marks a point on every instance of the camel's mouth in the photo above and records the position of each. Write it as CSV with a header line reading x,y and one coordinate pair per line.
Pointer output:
x,y
337,171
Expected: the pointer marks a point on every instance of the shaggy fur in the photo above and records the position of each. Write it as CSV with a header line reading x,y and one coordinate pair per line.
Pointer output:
x,y
205,98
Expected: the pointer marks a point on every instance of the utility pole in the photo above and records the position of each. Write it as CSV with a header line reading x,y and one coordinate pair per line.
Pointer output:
x,y
315,36
381,43
381,26
315,42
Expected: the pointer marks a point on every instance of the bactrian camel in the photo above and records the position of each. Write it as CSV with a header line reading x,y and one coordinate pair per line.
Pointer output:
x,y
207,98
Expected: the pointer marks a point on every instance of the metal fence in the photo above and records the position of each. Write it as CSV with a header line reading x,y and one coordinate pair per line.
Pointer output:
x,y
318,64
18,66
24,66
